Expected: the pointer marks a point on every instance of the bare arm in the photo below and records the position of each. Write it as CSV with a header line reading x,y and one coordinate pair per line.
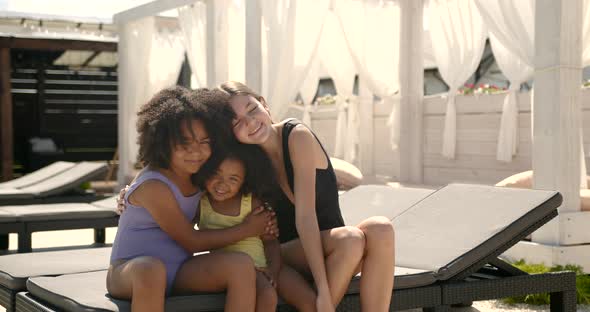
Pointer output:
x,y
304,169
157,198
272,248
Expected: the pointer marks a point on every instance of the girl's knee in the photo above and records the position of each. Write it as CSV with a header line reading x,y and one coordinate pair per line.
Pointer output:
x,y
148,271
350,239
378,228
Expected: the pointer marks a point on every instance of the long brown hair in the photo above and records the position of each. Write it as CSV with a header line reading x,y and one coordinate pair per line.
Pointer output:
x,y
233,88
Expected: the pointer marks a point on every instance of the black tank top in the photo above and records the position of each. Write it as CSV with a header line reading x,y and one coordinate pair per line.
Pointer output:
x,y
326,194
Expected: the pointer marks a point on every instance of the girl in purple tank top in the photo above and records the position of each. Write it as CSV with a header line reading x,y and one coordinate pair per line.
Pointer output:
x,y
153,251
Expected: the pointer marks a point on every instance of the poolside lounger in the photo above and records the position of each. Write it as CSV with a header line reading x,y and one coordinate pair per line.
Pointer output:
x,y
16,269
60,294
38,175
458,232
27,219
447,245
57,184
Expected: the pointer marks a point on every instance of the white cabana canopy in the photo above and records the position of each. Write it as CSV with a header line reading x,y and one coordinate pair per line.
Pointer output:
x,y
288,33
277,48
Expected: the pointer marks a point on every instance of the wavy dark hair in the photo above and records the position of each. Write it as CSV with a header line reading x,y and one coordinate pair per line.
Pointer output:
x,y
260,178
160,121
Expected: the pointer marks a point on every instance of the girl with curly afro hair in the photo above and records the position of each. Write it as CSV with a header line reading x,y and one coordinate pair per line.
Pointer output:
x,y
153,250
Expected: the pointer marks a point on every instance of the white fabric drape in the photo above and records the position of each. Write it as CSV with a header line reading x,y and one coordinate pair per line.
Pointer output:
x,y
372,32
517,71
458,38
233,15
132,48
291,33
585,62
309,89
193,24
511,27
229,36
338,64
143,47
586,34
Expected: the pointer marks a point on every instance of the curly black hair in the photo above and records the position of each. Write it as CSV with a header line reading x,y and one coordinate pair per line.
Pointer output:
x,y
260,178
160,120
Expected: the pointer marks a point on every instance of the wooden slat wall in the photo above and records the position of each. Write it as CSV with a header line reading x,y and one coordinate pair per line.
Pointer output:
x,y
76,108
478,123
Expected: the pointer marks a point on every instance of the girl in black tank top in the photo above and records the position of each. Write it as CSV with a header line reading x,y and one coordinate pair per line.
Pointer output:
x,y
314,239
326,194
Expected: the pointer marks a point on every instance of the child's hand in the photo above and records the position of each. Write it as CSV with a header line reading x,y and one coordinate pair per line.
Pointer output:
x,y
258,222
273,230
121,200
269,275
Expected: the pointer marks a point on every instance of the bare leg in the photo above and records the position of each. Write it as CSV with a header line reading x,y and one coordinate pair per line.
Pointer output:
x,y
220,271
141,280
295,290
266,295
378,264
343,251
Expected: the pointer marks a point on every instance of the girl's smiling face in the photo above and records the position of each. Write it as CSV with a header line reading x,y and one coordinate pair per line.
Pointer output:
x,y
194,151
252,124
227,180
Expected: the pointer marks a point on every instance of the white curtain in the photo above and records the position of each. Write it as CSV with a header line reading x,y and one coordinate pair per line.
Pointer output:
x,y
585,62
309,89
290,41
372,32
133,54
143,47
229,36
232,13
193,24
586,34
458,38
511,27
338,64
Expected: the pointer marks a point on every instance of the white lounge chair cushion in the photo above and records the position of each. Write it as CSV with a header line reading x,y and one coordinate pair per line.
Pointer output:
x,y
460,219
366,201
107,203
61,211
38,175
81,172
13,193
16,268
7,216
87,292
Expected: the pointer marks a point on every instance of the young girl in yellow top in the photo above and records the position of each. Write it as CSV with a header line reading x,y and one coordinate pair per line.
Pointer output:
x,y
244,179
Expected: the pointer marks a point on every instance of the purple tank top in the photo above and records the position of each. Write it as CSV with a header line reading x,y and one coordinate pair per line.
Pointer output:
x,y
138,233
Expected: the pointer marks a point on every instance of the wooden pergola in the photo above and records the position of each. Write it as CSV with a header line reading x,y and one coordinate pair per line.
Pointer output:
x,y
556,116
8,43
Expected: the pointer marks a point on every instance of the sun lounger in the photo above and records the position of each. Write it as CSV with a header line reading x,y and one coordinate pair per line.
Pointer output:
x,y
60,294
27,219
447,245
16,269
57,184
38,175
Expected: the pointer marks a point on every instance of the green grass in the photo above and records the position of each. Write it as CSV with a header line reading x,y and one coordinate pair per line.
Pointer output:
x,y
582,283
